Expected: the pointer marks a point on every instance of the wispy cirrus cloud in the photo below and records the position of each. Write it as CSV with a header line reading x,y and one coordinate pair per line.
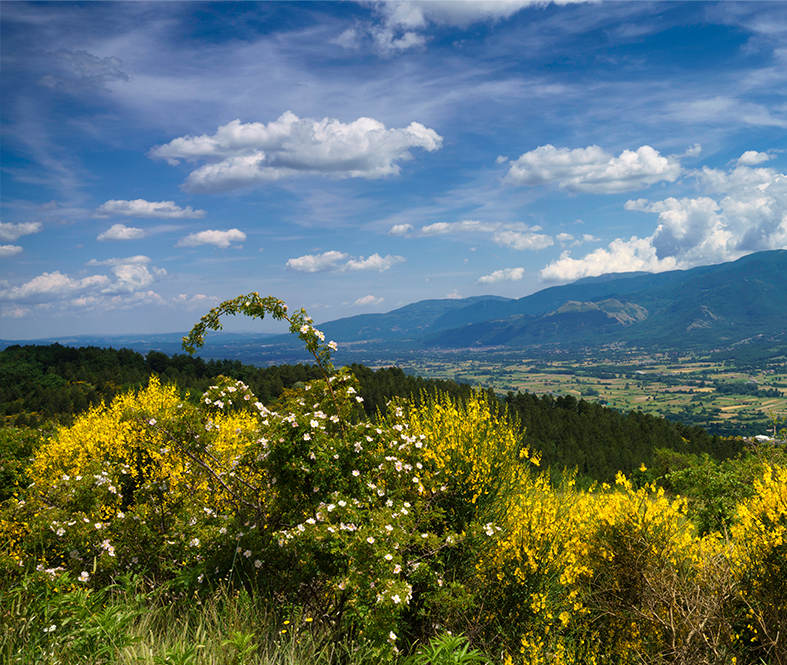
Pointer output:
x,y
245,154
333,261
197,301
514,235
139,259
80,70
147,209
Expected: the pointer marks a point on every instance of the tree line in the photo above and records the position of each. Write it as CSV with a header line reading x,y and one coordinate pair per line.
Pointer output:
x,y
56,383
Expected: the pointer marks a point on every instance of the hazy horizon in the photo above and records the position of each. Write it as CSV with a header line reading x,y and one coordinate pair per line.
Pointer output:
x,y
353,158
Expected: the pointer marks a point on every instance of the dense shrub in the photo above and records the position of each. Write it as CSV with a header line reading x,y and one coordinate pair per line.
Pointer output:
x,y
760,565
433,517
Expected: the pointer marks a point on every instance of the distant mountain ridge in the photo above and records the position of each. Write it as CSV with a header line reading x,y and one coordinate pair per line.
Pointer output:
x,y
708,306
704,308
416,319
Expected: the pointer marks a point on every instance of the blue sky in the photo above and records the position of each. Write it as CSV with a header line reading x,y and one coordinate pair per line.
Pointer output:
x,y
158,158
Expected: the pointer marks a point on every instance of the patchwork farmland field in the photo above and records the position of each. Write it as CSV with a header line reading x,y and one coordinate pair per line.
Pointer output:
x,y
719,396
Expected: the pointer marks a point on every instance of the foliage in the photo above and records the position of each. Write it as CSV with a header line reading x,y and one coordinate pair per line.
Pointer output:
x,y
715,489
760,563
430,525
16,451
447,649
46,621
597,440
600,441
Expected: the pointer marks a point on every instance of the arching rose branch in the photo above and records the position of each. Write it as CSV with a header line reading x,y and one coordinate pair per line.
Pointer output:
x,y
257,307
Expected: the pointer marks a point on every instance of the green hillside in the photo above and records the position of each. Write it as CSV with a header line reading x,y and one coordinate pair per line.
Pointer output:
x,y
54,382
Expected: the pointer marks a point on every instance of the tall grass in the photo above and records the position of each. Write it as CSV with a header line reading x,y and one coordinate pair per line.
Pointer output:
x,y
123,624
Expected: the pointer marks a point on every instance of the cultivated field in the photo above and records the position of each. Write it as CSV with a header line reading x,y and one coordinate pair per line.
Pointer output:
x,y
698,391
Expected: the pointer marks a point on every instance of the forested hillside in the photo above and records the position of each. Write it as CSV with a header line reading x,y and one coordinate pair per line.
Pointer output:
x,y
58,382
54,382
599,441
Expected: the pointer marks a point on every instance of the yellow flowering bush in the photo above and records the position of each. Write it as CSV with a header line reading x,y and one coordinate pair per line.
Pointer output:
x,y
535,573
123,488
640,540
760,565
475,448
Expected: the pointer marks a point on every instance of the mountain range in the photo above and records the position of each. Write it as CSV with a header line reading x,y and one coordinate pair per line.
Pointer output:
x,y
704,308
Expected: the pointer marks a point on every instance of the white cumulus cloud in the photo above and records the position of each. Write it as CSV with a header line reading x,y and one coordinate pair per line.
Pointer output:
x,y
148,209
744,210
334,261
244,154
11,232
752,157
220,239
9,250
374,262
522,241
401,229
505,275
399,25
127,285
415,13
52,285
592,169
367,301
438,228
325,262
622,256
133,277
568,239
121,232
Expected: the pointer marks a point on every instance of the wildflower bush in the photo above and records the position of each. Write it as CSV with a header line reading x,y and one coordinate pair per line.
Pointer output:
x,y
426,527
363,524
760,566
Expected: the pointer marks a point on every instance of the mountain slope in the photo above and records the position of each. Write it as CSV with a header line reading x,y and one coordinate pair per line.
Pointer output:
x,y
705,306
406,322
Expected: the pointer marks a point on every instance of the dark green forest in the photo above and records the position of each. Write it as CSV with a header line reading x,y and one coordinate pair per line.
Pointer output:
x,y
54,383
